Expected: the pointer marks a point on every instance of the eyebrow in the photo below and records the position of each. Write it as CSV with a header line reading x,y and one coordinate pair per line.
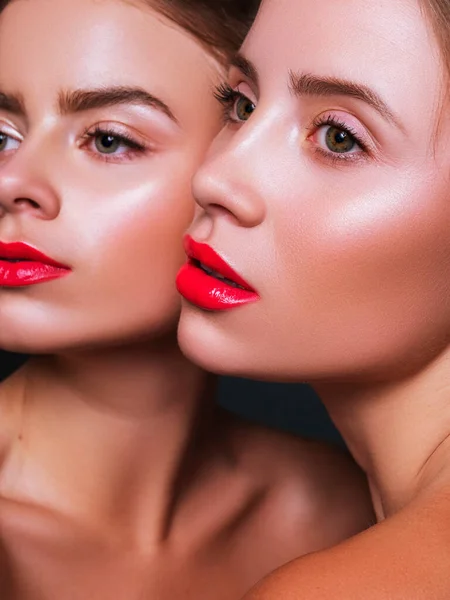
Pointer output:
x,y
246,67
82,100
12,103
306,84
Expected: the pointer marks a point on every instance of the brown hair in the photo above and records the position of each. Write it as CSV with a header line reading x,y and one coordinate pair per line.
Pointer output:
x,y
221,25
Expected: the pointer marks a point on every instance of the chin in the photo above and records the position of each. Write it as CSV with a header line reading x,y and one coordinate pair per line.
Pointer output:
x,y
30,327
33,340
200,342
204,341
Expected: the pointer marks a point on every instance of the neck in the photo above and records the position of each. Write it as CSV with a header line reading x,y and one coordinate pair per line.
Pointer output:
x,y
398,432
103,436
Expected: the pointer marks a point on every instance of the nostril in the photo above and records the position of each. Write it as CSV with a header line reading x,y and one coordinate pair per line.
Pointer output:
x,y
218,209
26,202
223,212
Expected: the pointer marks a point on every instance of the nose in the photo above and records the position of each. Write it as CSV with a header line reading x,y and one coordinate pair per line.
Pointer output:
x,y
227,183
25,187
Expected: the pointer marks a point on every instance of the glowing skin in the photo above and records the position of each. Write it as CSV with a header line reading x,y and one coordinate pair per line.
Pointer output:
x,y
113,218
348,253
328,192
119,477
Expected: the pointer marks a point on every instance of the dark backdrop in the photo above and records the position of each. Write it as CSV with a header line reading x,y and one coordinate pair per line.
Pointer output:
x,y
293,408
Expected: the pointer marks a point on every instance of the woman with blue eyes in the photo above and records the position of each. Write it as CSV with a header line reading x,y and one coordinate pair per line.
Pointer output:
x,y
324,242
119,478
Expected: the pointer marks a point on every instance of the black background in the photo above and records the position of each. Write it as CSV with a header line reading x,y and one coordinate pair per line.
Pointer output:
x,y
290,407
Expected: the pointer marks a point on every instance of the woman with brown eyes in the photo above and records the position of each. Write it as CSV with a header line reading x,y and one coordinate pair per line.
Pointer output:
x,y
119,478
326,207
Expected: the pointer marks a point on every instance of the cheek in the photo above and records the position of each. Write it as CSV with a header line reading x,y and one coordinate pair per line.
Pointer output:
x,y
371,268
128,244
148,234
397,226
125,249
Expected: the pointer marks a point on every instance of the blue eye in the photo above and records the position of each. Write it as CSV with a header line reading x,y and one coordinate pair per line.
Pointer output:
x,y
111,145
107,143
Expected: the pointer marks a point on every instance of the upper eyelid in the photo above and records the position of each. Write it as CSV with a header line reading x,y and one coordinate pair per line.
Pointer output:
x,y
10,131
110,127
362,133
254,99
330,122
236,77
118,130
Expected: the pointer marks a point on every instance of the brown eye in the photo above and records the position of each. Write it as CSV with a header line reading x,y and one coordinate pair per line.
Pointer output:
x,y
106,143
339,140
3,141
244,108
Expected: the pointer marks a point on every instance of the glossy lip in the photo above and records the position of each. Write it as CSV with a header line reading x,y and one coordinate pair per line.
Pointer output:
x,y
205,290
30,266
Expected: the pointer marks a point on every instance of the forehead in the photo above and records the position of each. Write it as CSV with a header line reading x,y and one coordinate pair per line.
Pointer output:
x,y
52,44
387,45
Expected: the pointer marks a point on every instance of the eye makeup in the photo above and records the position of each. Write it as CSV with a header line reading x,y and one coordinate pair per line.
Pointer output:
x,y
237,108
112,143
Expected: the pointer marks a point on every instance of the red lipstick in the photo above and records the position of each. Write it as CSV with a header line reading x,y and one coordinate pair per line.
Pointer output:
x,y
22,265
209,282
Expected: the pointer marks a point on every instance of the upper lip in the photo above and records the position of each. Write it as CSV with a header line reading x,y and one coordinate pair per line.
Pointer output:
x,y
25,252
208,257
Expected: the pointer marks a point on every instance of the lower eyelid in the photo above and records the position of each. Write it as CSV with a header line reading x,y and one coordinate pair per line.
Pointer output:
x,y
344,159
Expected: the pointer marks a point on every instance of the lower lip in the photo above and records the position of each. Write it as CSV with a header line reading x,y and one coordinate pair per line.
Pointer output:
x,y
25,273
209,293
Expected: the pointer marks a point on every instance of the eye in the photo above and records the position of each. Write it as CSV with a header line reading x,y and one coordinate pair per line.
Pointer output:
x,y
340,137
243,107
104,142
338,140
110,142
7,142
237,107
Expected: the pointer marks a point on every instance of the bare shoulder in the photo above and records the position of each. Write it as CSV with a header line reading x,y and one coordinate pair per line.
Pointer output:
x,y
406,556
314,492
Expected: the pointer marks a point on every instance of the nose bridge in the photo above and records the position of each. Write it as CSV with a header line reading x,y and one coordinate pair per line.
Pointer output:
x,y
26,182
246,150
231,178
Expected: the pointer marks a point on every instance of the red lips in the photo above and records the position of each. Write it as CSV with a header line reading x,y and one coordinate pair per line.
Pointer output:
x,y
22,265
208,282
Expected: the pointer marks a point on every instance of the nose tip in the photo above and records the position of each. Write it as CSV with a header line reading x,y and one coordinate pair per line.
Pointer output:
x,y
25,191
219,192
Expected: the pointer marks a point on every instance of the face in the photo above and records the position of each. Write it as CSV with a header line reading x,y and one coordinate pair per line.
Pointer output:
x,y
327,192
106,110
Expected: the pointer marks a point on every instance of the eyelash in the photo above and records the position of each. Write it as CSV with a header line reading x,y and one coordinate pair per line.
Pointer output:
x,y
134,148
5,135
334,157
227,97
